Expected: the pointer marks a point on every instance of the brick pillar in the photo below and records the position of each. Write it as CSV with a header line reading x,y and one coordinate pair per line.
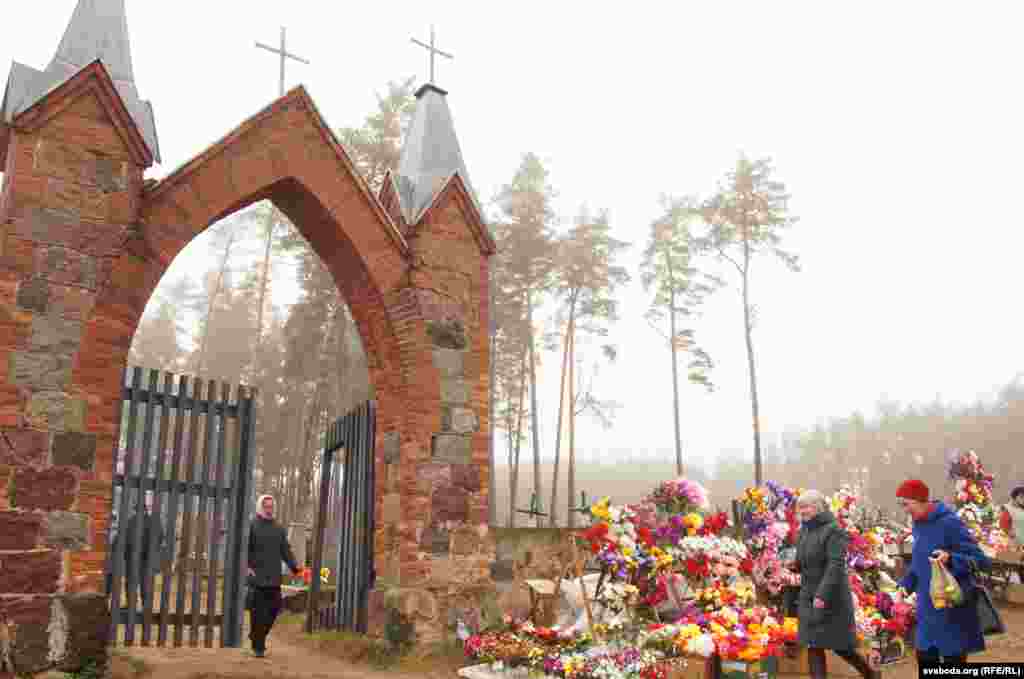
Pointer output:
x,y
442,482
69,195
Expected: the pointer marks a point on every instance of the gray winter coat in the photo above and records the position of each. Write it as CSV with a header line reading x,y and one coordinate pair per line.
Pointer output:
x,y
821,559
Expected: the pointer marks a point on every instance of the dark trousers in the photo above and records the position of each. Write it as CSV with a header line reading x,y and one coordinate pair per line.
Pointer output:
x,y
266,605
932,657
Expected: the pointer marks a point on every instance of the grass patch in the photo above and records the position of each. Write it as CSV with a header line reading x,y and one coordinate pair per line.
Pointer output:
x,y
125,666
377,654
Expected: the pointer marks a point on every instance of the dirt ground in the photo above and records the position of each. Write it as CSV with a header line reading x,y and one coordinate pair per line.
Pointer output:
x,y
293,655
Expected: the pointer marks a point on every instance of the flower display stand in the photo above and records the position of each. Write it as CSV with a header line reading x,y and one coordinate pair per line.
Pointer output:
x,y
1015,594
543,594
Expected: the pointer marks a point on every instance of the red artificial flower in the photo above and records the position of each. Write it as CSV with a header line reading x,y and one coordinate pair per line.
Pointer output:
x,y
644,535
597,535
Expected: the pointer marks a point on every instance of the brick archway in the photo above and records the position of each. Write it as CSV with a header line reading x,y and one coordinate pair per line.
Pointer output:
x,y
285,154
84,242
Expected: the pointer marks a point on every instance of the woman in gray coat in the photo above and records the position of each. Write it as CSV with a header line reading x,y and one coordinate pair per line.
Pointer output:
x,y
825,602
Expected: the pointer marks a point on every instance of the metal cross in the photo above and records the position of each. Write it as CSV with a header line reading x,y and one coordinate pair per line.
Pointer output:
x,y
535,507
284,55
433,50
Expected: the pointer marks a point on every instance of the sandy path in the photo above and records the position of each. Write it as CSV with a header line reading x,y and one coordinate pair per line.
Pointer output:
x,y
290,657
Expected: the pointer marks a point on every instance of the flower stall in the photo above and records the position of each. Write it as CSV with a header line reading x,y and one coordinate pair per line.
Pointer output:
x,y
678,594
972,498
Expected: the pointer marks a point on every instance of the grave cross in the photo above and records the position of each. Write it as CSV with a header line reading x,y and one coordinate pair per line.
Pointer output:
x,y
535,508
433,50
283,54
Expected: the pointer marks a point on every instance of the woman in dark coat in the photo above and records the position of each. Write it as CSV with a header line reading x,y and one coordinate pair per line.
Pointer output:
x,y
825,602
944,634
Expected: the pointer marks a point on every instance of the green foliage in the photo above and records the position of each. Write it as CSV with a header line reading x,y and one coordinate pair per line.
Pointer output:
x,y
399,631
376,147
670,268
92,669
748,217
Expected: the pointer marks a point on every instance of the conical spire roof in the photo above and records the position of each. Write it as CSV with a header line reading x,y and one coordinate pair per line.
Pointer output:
x,y
98,30
430,155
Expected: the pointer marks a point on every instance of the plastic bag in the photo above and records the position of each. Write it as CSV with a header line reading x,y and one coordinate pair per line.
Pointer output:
x,y
945,590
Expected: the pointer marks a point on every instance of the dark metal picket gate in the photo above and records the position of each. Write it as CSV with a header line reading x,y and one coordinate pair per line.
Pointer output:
x,y
348,508
172,441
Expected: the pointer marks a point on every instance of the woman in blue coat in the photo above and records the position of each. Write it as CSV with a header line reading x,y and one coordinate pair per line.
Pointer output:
x,y
944,634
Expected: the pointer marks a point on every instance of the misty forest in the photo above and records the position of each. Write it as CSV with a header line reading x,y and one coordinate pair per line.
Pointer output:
x,y
265,312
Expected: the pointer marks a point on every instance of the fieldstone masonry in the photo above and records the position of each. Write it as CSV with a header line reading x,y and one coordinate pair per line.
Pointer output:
x,y
85,239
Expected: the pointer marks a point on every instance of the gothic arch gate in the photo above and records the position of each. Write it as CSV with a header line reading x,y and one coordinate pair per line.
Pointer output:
x,y
85,238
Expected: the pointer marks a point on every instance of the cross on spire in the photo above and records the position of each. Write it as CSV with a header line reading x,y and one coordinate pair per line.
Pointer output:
x,y
433,50
284,54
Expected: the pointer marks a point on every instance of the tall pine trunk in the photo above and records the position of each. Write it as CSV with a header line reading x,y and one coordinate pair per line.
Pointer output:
x,y
675,367
534,411
492,502
516,447
264,277
747,327
561,410
201,362
572,431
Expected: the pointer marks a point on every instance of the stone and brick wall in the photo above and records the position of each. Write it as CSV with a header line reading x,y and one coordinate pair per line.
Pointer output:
x,y
70,189
83,244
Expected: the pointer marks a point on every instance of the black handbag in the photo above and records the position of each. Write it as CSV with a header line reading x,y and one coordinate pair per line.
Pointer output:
x,y
988,615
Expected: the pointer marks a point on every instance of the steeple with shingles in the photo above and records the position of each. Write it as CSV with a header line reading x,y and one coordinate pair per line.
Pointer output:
x,y
430,155
98,30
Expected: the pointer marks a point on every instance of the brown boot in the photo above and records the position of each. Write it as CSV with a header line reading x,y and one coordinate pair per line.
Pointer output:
x,y
817,663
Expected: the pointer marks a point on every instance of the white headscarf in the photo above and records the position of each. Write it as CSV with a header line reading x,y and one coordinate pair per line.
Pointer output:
x,y
259,505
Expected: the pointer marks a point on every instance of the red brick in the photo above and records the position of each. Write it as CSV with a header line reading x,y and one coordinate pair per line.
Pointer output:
x,y
49,489
35,572
5,478
71,302
88,133
19,531
88,106
19,256
31,447
12,403
15,329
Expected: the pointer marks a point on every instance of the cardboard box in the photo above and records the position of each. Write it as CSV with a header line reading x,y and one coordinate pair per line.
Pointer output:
x,y
690,667
766,668
794,662
798,665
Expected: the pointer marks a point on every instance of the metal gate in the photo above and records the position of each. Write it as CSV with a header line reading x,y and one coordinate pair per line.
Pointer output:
x,y
346,506
184,463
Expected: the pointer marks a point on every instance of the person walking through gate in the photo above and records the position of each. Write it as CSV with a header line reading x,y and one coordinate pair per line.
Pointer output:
x,y
943,634
268,547
151,526
825,603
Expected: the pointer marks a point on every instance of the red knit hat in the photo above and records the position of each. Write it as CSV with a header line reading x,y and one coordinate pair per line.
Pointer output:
x,y
913,490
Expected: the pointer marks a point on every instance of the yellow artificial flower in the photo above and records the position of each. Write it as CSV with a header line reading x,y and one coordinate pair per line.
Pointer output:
x,y
600,509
